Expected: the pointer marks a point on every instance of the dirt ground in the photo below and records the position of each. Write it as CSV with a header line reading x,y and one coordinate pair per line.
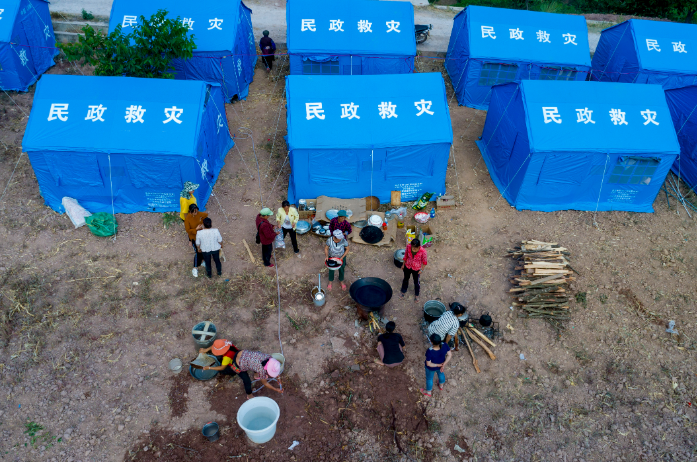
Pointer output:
x,y
89,325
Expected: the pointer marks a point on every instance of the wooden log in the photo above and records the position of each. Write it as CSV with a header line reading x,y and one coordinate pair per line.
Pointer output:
x,y
474,360
487,340
542,265
396,198
481,344
251,256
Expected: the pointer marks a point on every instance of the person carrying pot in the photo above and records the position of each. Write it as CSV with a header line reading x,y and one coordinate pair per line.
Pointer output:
x,y
415,259
239,362
447,325
437,357
337,246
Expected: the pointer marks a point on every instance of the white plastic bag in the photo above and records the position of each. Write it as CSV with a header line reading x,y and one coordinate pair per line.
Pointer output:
x,y
279,243
75,212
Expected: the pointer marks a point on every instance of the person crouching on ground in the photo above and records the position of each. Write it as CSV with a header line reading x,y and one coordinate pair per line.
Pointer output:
x,y
225,351
415,259
337,246
266,234
210,242
340,222
263,365
193,222
447,325
390,347
287,218
437,357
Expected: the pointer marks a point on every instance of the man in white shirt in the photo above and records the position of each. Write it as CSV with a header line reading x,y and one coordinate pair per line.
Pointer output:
x,y
209,242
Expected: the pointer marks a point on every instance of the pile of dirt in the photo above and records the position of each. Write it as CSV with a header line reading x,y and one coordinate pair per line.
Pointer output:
x,y
351,408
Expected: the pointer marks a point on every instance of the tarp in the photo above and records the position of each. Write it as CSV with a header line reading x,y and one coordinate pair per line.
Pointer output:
x,y
27,43
491,46
131,141
579,145
640,51
360,37
375,135
683,108
225,47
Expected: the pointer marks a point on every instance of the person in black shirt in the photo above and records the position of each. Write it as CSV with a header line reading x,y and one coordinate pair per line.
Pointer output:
x,y
268,48
390,347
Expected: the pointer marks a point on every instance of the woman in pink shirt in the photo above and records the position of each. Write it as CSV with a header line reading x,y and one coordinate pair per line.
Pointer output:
x,y
415,260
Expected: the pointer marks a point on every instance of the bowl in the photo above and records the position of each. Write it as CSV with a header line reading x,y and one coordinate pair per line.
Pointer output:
x,y
360,223
422,217
349,213
302,227
375,220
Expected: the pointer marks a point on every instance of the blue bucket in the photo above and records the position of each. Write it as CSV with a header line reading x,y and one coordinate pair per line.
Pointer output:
x,y
204,375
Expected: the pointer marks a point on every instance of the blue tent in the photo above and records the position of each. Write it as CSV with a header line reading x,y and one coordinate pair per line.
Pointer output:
x,y
578,145
125,143
225,48
350,38
27,43
490,46
376,135
647,52
683,108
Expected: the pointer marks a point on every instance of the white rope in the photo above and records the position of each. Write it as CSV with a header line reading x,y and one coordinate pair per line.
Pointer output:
x,y
3,144
371,178
111,187
613,52
20,108
66,19
280,171
12,45
511,181
458,81
213,193
457,178
248,135
502,116
278,118
597,204
11,176
245,162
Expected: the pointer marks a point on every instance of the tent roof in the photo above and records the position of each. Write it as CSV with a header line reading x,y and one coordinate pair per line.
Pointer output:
x,y
369,130
207,37
115,134
530,48
350,40
636,136
666,34
10,7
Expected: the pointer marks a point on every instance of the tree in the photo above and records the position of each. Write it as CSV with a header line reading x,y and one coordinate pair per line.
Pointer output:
x,y
148,51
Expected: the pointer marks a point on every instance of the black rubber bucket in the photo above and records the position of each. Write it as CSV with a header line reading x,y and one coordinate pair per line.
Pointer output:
x,y
211,431
433,310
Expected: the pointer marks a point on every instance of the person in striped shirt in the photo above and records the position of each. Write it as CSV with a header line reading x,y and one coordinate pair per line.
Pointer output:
x,y
447,325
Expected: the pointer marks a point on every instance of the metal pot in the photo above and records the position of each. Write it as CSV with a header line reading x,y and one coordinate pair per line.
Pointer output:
x,y
485,320
399,257
433,310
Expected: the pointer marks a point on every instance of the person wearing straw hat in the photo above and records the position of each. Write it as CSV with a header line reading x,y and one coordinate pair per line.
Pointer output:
x,y
186,198
337,246
225,351
263,365
265,235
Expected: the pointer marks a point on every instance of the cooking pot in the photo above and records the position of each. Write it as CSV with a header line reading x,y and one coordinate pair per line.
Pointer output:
x,y
485,320
399,258
371,293
433,310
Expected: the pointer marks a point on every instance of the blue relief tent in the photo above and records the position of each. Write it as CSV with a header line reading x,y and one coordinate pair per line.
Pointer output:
x,y
350,38
578,145
225,48
647,52
683,108
125,141
491,46
376,135
27,43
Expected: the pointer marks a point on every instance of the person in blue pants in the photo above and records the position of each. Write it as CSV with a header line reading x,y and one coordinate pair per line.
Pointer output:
x,y
437,357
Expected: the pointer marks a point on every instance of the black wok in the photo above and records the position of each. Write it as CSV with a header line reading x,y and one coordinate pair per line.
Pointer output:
x,y
371,293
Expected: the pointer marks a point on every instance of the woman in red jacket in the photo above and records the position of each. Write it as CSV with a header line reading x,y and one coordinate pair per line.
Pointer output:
x,y
265,235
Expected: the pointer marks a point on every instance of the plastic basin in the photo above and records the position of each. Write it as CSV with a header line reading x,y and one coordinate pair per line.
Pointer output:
x,y
258,417
204,375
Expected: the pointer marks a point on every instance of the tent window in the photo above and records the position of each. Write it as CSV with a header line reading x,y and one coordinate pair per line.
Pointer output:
x,y
497,73
320,68
634,170
557,74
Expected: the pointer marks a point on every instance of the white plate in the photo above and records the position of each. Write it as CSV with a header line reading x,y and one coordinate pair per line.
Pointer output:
x,y
375,220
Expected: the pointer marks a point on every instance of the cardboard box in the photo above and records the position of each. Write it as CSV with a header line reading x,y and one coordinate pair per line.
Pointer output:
x,y
446,202
422,232
305,215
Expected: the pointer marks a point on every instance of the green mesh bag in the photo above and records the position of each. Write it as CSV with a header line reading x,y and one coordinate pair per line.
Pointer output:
x,y
102,224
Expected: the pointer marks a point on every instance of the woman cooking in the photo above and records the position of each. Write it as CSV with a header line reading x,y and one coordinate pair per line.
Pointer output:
x,y
337,246
239,362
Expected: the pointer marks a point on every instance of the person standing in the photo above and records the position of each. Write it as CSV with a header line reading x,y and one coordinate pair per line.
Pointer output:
x,y
193,222
210,242
390,347
186,198
337,246
268,48
415,259
287,218
340,222
265,235
437,357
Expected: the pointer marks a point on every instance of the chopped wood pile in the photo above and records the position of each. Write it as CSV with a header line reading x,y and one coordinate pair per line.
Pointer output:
x,y
541,288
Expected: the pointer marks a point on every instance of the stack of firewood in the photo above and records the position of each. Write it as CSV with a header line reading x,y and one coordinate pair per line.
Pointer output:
x,y
541,287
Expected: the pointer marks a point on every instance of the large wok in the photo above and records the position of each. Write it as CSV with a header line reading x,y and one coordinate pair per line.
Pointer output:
x,y
371,293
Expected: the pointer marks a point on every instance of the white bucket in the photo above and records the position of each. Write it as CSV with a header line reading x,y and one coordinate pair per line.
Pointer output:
x,y
258,417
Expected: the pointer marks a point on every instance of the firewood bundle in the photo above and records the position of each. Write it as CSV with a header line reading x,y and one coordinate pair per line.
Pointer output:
x,y
541,287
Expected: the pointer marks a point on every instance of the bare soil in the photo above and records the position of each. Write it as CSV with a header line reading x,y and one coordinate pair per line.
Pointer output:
x,y
89,324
